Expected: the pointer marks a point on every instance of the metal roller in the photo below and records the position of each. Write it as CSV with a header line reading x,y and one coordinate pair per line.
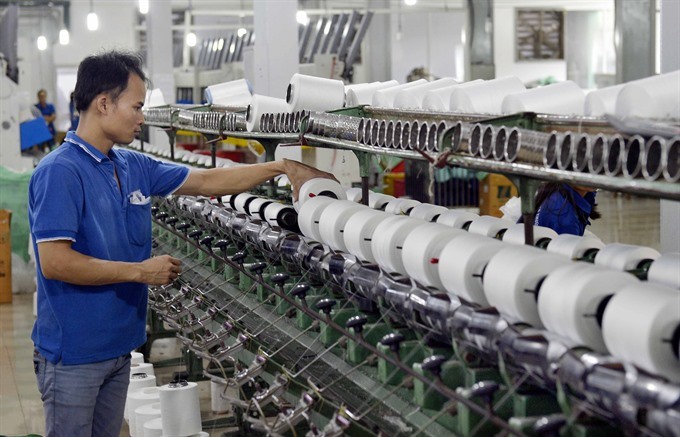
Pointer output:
x,y
613,155
414,137
596,158
525,146
461,133
361,130
396,135
432,135
551,150
368,127
281,126
565,151
671,160
434,138
294,124
475,140
500,144
423,130
375,132
382,132
347,128
405,135
582,152
652,154
185,118
389,134
632,157
488,141
288,122
278,122
240,121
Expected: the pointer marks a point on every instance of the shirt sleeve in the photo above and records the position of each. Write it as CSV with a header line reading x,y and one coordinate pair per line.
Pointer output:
x,y
165,178
55,203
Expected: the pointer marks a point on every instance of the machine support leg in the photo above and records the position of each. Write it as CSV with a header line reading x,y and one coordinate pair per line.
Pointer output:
x,y
527,191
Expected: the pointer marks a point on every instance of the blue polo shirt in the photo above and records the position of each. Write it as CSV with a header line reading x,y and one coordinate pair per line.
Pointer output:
x,y
48,109
566,216
73,195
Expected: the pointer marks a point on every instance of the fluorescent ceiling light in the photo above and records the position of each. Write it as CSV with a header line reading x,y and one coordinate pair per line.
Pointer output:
x,y
64,37
143,6
92,21
302,17
191,39
42,43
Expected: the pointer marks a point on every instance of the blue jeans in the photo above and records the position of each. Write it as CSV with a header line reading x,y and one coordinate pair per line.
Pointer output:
x,y
83,400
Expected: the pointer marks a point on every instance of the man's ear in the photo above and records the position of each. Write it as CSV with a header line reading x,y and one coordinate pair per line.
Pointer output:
x,y
102,103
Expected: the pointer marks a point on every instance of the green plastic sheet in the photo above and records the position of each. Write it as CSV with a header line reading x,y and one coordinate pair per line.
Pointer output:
x,y
14,197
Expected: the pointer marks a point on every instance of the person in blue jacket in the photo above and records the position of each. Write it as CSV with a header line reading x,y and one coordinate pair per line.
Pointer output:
x,y
48,113
90,221
75,116
565,208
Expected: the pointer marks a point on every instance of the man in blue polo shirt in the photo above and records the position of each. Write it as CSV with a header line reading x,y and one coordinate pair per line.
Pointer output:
x,y
89,213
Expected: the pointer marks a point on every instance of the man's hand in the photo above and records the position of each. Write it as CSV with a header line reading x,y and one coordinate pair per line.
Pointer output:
x,y
299,173
58,261
159,270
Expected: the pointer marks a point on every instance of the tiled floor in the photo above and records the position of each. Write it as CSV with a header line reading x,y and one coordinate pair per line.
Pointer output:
x,y
20,405
624,219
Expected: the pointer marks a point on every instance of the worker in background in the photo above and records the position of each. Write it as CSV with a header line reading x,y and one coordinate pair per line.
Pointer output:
x,y
48,113
90,219
75,116
565,208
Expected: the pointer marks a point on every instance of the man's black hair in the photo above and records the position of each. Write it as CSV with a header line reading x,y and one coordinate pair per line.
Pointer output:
x,y
105,72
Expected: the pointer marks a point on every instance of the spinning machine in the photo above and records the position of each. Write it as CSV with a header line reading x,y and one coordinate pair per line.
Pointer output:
x,y
355,313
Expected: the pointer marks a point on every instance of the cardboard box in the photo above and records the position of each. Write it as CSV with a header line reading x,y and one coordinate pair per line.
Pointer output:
x,y
494,191
5,257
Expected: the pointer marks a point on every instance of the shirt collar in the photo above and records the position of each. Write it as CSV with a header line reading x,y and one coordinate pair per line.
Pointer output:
x,y
92,151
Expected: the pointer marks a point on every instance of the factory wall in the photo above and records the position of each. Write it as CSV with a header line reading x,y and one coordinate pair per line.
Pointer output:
x,y
430,40
504,51
41,69
527,71
117,20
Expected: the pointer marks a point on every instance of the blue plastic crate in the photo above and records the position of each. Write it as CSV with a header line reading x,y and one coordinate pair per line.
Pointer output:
x,y
34,132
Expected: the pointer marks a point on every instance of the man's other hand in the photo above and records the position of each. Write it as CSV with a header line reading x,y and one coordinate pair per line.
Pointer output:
x,y
160,270
299,173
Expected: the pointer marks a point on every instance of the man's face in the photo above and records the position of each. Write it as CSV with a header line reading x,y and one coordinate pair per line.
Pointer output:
x,y
125,118
42,98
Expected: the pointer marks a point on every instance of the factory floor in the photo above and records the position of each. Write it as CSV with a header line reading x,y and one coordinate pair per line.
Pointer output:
x,y
21,410
624,219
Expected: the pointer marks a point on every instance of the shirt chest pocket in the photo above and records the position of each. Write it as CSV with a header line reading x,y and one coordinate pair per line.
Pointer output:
x,y
139,223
